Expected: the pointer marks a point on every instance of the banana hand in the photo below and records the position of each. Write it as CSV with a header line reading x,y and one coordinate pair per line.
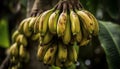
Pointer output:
x,y
49,57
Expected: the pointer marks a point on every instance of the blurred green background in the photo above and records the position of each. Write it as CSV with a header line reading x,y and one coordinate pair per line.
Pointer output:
x,y
102,53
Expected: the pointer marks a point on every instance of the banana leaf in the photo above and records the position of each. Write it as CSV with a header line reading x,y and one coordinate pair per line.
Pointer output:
x,y
109,37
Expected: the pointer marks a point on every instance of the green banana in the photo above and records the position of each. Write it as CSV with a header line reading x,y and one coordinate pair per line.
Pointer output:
x,y
46,39
62,52
49,57
15,35
43,22
26,29
67,35
87,22
35,36
96,26
72,54
13,50
52,24
42,50
75,22
21,39
61,25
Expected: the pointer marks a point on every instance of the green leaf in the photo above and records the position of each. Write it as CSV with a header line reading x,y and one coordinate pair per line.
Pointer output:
x,y
4,38
110,40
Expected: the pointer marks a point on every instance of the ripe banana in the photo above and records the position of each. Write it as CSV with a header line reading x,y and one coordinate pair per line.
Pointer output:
x,y
43,22
24,55
35,36
78,36
96,26
75,22
46,39
61,25
13,59
13,50
62,52
15,35
86,37
42,50
36,25
21,39
26,29
31,23
20,28
67,35
72,54
52,24
22,51
86,21
49,57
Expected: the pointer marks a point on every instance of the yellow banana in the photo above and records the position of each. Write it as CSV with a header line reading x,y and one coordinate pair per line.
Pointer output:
x,y
35,36
62,52
36,25
13,59
61,25
13,50
75,22
58,62
86,21
67,35
22,51
23,54
49,57
72,54
78,36
31,23
42,50
14,67
86,37
26,29
21,39
47,38
96,26
14,35
43,22
20,28
52,24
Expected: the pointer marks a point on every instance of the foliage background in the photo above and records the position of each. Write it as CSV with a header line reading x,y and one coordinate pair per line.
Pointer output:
x,y
102,53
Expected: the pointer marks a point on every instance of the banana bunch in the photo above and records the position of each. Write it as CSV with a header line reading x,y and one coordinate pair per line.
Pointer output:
x,y
58,54
18,50
59,28
56,30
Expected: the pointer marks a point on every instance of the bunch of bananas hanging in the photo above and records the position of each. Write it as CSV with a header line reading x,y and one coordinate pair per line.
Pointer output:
x,y
56,30
61,27
18,50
